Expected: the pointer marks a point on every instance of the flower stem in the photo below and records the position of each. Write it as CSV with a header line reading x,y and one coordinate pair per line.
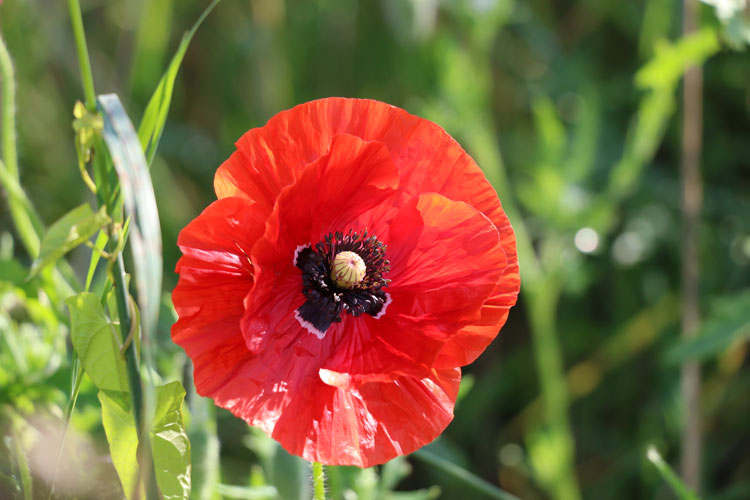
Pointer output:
x,y
319,481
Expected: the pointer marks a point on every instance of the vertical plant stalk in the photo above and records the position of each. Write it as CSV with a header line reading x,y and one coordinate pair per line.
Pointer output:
x,y
319,481
692,194
121,292
87,77
27,224
10,155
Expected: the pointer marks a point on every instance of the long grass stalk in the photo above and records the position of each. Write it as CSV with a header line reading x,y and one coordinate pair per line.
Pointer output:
x,y
118,274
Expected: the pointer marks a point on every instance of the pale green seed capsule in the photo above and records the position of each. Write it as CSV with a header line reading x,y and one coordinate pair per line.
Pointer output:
x,y
348,269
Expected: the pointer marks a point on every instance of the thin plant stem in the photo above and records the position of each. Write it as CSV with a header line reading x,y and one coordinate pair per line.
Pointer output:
x,y
319,481
682,491
77,377
543,298
84,62
118,275
27,223
10,155
22,463
692,195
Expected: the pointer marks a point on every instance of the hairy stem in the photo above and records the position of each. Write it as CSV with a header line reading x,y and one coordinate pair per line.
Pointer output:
x,y
319,481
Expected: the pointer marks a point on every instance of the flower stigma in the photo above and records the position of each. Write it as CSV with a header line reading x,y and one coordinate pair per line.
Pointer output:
x,y
348,269
341,273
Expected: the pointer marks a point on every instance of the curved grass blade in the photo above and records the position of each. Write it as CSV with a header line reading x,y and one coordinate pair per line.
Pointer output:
x,y
140,204
471,481
155,116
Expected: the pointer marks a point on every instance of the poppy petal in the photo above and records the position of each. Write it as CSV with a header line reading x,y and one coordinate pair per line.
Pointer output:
x,y
215,275
428,159
352,178
445,260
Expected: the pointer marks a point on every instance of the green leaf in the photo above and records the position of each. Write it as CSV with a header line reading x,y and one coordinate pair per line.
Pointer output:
x,y
13,272
169,442
674,482
155,116
140,204
728,323
71,230
95,341
119,426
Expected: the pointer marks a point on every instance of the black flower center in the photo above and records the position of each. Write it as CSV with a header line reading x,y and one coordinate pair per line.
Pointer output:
x,y
342,273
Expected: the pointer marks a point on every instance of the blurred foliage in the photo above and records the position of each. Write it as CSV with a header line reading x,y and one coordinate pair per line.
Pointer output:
x,y
571,107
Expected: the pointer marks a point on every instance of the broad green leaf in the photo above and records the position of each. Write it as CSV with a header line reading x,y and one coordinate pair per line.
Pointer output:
x,y
169,442
140,204
729,322
12,271
74,228
119,426
95,341
155,116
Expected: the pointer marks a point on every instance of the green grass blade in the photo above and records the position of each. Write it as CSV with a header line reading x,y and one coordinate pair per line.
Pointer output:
x,y
674,482
155,116
471,481
140,204
101,242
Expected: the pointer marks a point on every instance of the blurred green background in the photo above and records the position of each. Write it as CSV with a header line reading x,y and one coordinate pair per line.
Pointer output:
x,y
584,154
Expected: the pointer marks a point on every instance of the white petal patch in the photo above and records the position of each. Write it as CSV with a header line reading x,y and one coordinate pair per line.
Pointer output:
x,y
388,300
334,379
298,250
308,326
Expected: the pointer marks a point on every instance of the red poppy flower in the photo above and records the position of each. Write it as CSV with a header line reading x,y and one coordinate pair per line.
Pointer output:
x,y
356,258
